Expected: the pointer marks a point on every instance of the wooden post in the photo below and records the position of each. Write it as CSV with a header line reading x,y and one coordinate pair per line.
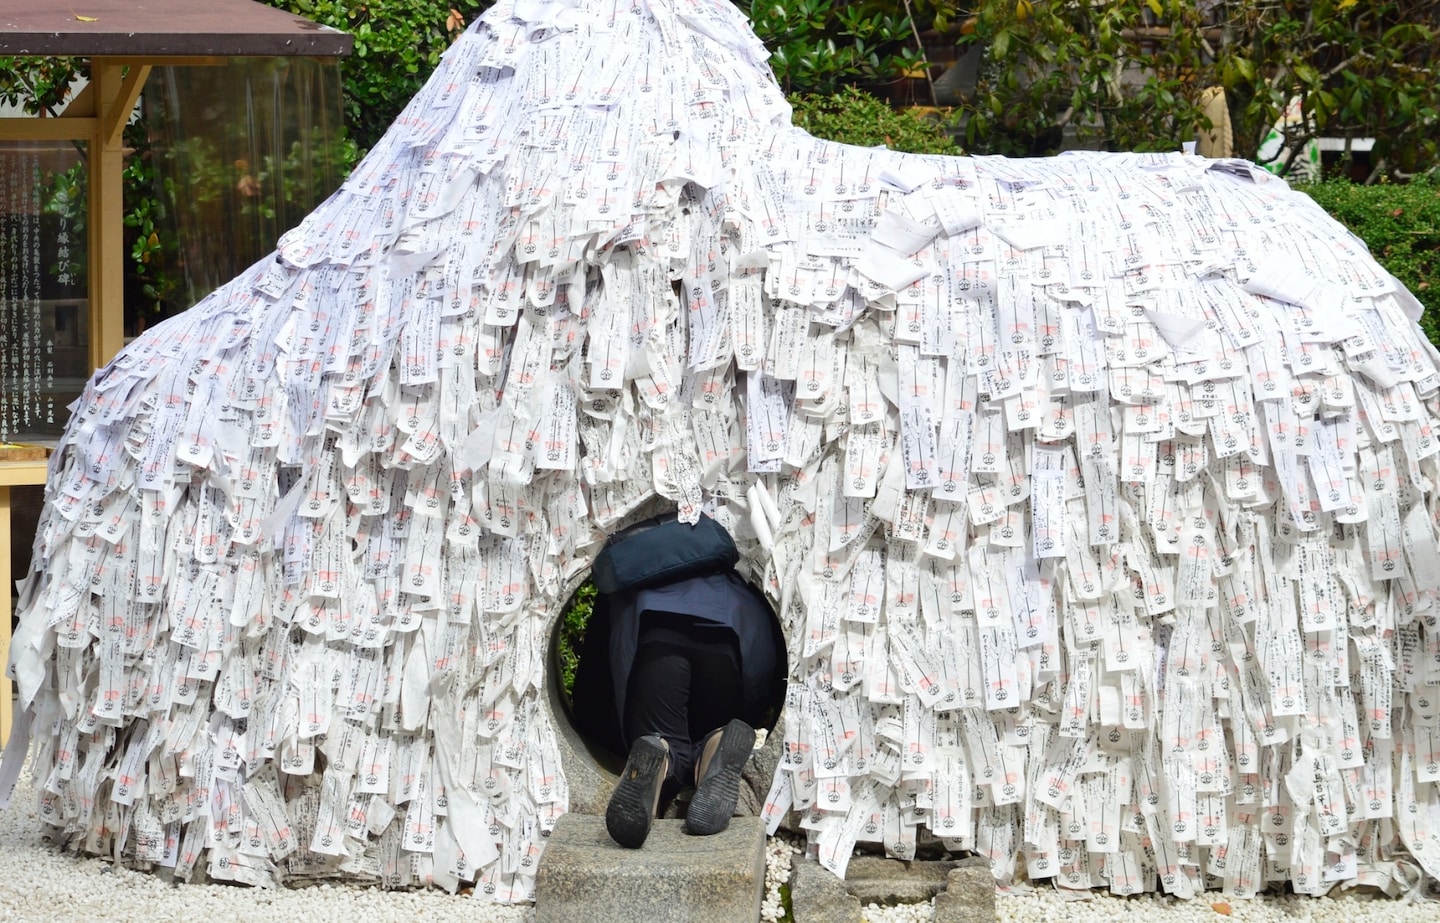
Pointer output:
x,y
114,90
11,473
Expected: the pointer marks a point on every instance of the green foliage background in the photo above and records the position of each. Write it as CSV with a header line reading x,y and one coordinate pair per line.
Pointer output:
x,y
1044,65
571,634
397,45
1401,226
853,116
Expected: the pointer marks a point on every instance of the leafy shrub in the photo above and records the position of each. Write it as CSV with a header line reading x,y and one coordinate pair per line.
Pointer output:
x,y
571,638
1401,226
820,46
853,116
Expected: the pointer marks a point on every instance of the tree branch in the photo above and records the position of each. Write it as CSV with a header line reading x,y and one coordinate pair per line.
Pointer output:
x,y
924,59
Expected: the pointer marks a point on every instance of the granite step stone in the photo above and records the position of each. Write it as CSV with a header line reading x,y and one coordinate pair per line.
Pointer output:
x,y
963,889
878,880
585,878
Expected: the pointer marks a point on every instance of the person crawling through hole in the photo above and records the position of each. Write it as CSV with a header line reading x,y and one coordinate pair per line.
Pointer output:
x,y
682,659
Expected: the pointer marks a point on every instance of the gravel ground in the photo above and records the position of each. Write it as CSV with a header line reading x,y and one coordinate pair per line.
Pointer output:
x,y
41,884
1049,907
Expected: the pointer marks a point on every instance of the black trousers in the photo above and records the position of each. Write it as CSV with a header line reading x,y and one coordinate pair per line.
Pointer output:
x,y
684,684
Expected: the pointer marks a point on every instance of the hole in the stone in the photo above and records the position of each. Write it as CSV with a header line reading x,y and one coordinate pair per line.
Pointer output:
x,y
568,649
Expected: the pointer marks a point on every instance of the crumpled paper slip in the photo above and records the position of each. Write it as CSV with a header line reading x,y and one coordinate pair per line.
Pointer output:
x,y
1094,494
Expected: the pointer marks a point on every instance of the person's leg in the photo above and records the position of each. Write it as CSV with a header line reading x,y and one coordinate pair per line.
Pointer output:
x,y
720,762
723,742
716,691
657,700
657,735
636,799
685,684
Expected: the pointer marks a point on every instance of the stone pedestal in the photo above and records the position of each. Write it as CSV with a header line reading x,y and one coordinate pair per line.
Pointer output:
x,y
585,878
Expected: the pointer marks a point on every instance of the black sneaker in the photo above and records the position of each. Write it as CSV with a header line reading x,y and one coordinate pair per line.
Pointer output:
x,y
717,775
637,795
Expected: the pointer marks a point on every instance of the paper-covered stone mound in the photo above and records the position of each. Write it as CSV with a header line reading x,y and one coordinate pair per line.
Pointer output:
x,y
1096,494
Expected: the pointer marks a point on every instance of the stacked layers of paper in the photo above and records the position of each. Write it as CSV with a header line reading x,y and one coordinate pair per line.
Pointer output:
x,y
1095,494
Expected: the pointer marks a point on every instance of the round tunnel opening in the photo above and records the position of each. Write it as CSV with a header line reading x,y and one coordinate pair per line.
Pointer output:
x,y
577,639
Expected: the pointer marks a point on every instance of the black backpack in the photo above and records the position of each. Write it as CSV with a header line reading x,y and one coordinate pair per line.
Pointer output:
x,y
662,550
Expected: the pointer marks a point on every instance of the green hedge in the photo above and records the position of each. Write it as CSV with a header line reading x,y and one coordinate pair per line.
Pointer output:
x,y
855,117
1401,226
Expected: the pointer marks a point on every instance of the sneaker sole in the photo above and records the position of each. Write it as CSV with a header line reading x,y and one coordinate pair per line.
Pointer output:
x,y
716,796
632,806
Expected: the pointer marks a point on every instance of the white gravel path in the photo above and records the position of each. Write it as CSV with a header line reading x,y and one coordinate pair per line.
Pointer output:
x,y
40,884
1049,907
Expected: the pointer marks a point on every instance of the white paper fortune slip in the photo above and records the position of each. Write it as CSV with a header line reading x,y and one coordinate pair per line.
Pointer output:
x,y
1107,571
